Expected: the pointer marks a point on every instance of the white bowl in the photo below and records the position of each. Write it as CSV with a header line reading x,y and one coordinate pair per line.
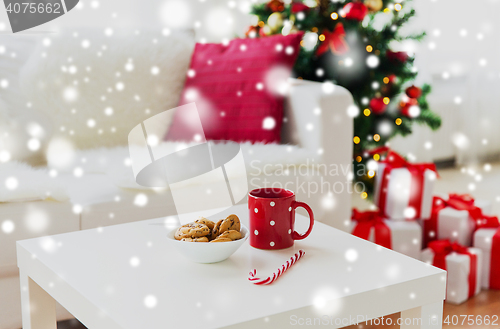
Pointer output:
x,y
206,252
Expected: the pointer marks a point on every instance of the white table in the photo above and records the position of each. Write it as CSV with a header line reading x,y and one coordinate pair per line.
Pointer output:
x,y
128,276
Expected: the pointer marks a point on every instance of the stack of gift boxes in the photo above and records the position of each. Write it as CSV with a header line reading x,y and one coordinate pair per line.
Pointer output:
x,y
455,233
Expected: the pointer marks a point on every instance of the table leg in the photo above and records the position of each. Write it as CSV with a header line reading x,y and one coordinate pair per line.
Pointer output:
x,y
38,307
424,317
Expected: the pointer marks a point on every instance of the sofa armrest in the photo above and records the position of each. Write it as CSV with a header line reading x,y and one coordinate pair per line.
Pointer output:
x,y
316,119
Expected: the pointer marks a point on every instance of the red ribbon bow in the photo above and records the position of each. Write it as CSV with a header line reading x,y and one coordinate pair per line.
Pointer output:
x,y
393,160
334,40
458,202
464,202
379,150
488,222
443,248
368,219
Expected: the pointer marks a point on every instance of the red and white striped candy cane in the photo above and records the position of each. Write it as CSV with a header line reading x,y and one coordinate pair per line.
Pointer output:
x,y
281,270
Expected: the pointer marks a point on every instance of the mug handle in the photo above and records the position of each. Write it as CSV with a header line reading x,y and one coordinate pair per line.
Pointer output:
x,y
295,235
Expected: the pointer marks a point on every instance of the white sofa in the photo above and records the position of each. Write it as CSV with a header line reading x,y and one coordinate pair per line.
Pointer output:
x,y
96,186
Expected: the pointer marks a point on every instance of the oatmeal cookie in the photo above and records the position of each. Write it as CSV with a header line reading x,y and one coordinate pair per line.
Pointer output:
x,y
192,231
221,240
232,222
203,220
231,234
202,239
215,231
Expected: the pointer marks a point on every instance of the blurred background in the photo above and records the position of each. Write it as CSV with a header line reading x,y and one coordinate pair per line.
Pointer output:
x,y
458,58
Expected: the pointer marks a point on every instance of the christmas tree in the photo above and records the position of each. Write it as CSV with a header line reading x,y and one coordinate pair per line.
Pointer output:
x,y
350,44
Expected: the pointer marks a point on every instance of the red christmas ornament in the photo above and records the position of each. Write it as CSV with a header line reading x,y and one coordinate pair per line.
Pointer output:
x,y
377,105
355,10
413,92
335,41
404,107
276,5
298,7
392,78
398,56
252,32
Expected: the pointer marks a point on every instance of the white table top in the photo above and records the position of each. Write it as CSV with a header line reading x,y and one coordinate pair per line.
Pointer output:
x,y
90,273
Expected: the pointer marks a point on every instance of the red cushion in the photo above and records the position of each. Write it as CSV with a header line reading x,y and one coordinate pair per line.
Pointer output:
x,y
232,86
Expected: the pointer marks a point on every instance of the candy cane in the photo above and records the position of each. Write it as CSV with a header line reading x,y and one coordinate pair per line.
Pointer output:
x,y
281,270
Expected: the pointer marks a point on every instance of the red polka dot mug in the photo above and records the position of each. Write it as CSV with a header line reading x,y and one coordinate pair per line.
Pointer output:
x,y
272,218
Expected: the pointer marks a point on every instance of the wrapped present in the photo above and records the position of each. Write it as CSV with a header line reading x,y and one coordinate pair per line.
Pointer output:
x,y
464,267
455,219
402,236
487,238
403,190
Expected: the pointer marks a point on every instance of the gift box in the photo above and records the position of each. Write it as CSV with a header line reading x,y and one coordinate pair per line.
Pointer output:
x,y
403,190
455,219
488,240
464,267
402,236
